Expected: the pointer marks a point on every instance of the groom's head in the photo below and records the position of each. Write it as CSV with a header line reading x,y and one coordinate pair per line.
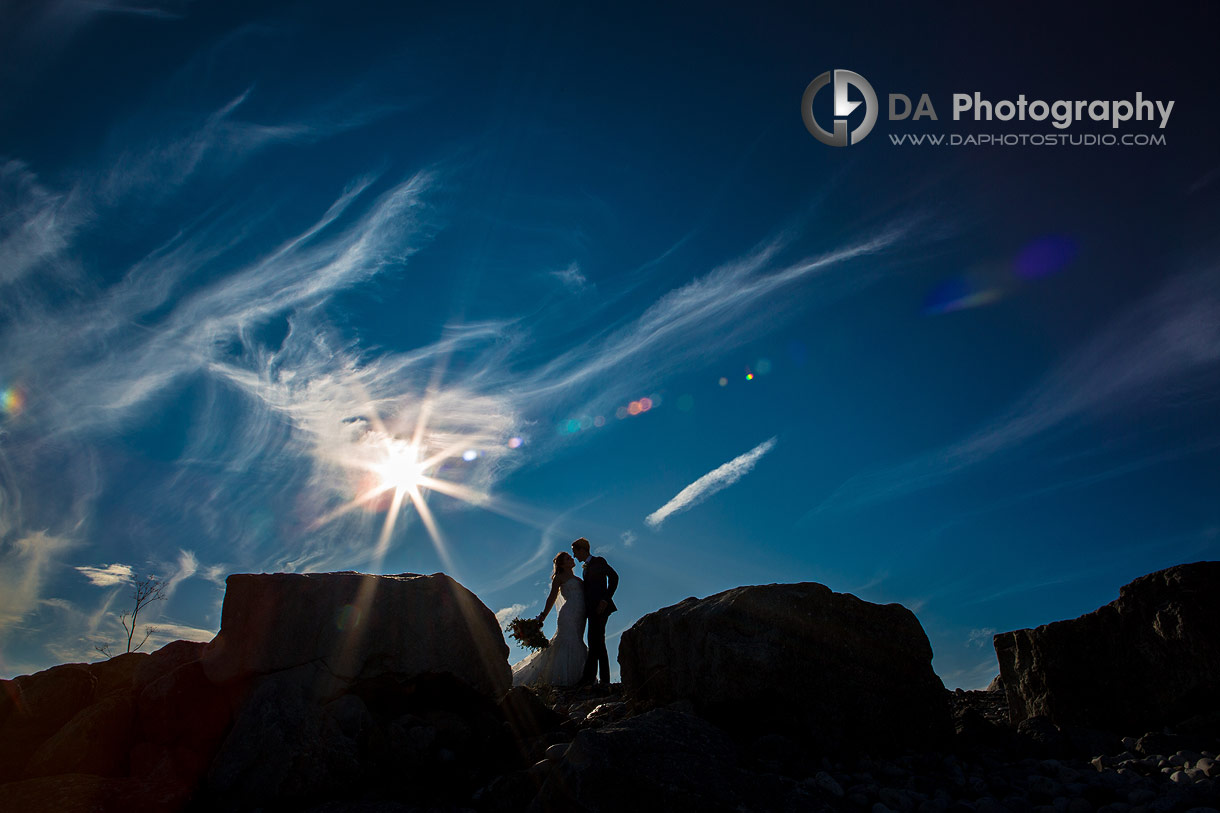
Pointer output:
x,y
580,549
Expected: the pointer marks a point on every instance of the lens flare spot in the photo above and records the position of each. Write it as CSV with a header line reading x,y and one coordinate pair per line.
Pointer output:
x,y
470,455
515,443
12,400
599,421
957,294
724,382
348,618
1045,256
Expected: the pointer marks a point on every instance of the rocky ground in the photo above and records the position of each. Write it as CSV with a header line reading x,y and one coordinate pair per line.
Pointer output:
x,y
1036,768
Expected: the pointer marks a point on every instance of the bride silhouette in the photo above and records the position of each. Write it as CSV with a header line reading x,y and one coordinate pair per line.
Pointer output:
x,y
563,662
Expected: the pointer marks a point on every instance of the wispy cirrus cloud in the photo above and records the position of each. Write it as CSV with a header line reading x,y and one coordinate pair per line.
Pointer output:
x,y
190,313
715,480
24,567
323,388
572,279
713,312
186,567
981,637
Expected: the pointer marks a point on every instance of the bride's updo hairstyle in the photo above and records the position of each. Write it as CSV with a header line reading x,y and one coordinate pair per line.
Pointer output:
x,y
562,561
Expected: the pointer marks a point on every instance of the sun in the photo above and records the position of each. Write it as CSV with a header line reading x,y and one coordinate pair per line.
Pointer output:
x,y
390,472
400,467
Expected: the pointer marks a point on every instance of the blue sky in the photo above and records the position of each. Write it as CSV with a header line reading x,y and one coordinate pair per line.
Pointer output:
x,y
591,268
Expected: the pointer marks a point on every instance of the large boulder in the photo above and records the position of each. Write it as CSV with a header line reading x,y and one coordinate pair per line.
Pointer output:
x,y
34,707
829,668
1149,659
337,628
95,741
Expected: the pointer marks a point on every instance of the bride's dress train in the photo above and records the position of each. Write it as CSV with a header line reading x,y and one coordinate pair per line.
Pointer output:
x,y
563,662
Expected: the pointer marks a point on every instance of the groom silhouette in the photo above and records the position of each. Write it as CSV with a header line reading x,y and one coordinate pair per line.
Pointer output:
x,y
601,581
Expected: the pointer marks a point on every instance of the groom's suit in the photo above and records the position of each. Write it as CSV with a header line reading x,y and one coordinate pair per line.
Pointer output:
x,y
601,581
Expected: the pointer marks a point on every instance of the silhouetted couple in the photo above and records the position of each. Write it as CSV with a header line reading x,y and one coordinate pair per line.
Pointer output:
x,y
567,661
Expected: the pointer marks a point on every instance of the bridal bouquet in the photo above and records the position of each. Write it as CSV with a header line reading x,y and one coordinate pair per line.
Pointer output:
x,y
528,632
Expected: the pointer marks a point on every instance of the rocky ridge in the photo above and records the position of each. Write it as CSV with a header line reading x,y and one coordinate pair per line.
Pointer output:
x,y
253,722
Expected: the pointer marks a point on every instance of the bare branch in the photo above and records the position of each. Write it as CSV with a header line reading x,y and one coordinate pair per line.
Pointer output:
x,y
149,630
144,592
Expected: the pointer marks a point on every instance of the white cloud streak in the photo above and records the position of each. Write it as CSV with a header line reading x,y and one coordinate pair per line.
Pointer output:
x,y
107,576
509,613
715,480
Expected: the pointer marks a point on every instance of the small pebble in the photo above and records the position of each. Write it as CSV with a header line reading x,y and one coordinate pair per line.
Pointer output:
x,y
826,782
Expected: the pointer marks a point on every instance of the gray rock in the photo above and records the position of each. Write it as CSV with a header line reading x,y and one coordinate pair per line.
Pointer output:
x,y
827,783
604,713
1159,635
1185,758
353,626
556,752
1043,787
832,670
895,800
1079,804
674,761
1140,796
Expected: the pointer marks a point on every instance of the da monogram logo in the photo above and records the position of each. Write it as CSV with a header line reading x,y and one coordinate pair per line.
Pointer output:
x,y
842,107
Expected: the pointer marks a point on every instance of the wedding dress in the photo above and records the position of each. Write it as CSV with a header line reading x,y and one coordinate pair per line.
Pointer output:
x,y
563,662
